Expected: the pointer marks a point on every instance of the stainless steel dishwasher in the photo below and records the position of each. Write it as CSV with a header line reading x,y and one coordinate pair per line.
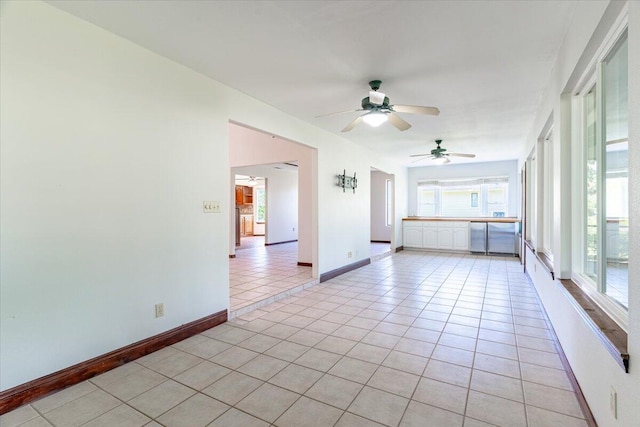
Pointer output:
x,y
478,237
501,238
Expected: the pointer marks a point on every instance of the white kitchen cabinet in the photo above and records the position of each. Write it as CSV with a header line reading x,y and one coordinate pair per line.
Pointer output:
x,y
445,238
430,237
412,235
461,238
440,235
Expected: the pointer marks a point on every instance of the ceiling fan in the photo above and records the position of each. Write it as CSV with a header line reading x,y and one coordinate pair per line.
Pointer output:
x,y
378,110
252,181
440,156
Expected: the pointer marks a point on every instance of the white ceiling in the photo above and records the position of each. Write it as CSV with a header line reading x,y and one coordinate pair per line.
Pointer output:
x,y
485,64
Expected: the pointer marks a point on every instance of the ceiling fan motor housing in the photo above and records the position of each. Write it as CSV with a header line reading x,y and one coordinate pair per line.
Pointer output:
x,y
438,152
367,105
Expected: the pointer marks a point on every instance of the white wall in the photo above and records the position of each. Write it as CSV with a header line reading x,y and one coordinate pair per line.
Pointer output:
x,y
379,229
466,170
594,368
108,151
282,201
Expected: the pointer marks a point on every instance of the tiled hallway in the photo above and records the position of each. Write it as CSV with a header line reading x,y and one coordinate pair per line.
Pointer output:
x,y
259,273
414,339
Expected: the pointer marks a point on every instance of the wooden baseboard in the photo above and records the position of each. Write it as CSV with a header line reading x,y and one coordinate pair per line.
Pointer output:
x,y
28,392
338,271
380,241
305,264
399,248
280,243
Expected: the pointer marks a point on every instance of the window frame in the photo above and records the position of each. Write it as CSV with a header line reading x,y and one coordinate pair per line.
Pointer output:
x,y
388,199
482,194
593,77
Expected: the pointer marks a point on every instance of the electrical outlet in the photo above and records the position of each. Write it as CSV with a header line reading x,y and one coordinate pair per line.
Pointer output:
x,y
613,402
159,310
211,207
349,254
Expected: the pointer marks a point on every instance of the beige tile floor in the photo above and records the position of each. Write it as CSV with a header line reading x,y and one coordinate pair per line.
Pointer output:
x,y
414,339
258,274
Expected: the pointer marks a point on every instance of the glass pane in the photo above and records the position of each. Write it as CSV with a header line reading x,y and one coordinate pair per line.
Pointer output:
x,y
388,202
426,202
617,174
591,187
260,216
497,200
460,201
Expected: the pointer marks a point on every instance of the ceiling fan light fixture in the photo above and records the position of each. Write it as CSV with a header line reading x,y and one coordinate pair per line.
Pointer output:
x,y
375,118
440,160
252,181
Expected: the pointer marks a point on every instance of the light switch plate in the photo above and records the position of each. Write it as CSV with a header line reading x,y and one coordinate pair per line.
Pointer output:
x,y
211,207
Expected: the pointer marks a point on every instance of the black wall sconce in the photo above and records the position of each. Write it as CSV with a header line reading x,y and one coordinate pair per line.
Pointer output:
x,y
346,181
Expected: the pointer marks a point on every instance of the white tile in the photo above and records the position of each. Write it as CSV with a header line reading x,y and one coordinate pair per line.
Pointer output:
x,y
447,372
121,416
308,412
197,411
497,385
18,416
495,410
419,415
538,417
394,381
161,398
296,378
263,367
442,395
202,375
83,409
232,388
268,402
235,418
379,406
554,399
334,391
63,397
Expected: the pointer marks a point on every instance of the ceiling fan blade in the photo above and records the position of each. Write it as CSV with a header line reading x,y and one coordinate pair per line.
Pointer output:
x,y
424,158
416,109
353,124
461,155
420,155
398,121
339,112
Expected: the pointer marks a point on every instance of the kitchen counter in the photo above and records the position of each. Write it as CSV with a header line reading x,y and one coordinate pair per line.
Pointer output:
x,y
476,219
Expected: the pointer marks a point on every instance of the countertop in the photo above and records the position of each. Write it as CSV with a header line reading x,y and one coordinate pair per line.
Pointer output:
x,y
477,219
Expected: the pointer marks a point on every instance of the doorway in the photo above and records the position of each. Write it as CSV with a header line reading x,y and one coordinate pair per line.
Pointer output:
x,y
382,213
250,210
285,261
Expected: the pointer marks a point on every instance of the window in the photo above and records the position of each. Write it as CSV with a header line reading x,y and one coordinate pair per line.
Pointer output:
x,y
616,173
547,196
478,197
388,199
261,200
605,178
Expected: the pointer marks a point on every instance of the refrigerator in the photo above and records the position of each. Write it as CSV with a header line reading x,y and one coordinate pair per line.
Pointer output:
x,y
502,238
478,237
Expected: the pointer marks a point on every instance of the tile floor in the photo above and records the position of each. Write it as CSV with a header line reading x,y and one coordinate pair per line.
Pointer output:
x,y
414,339
259,273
